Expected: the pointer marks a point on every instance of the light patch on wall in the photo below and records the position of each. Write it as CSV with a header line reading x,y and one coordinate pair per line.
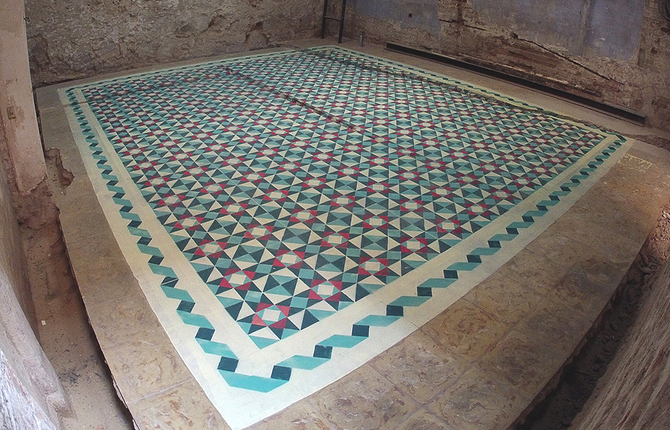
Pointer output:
x,y
421,14
596,28
614,29
554,23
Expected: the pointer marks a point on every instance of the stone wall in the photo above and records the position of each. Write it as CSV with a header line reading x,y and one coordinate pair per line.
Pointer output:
x,y
614,51
79,38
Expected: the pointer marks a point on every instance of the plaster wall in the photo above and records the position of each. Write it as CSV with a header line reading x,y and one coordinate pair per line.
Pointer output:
x,y
12,260
71,39
614,51
30,393
17,108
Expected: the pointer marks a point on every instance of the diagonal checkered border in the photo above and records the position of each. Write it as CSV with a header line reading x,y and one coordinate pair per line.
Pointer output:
x,y
283,371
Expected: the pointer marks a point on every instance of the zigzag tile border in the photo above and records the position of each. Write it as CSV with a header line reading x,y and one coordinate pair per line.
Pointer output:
x,y
243,390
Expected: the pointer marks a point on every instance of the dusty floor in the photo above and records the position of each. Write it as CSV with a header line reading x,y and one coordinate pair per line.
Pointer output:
x,y
64,330
71,346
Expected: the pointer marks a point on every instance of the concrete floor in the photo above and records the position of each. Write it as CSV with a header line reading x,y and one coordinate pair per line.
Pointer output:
x,y
478,365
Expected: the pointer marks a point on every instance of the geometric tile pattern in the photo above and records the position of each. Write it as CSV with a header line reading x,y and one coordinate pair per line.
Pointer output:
x,y
299,184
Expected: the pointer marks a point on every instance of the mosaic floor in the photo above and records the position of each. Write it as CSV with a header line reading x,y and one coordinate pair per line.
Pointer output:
x,y
290,216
